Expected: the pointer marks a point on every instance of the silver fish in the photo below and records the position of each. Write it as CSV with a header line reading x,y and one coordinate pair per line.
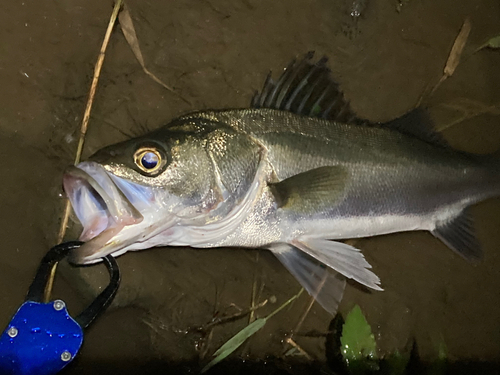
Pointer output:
x,y
293,174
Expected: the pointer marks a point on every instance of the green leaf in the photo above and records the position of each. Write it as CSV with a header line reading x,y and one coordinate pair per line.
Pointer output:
x,y
439,365
358,346
442,350
316,110
492,43
397,362
237,340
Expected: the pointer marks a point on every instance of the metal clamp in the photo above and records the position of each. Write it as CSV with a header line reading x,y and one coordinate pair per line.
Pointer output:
x,y
42,338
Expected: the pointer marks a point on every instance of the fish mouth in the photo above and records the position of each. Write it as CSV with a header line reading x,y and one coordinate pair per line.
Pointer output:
x,y
101,206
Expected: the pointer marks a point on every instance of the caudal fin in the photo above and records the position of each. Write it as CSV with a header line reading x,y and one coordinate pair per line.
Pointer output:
x,y
459,235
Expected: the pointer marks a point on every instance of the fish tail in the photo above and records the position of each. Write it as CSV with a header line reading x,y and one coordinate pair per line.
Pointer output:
x,y
458,232
492,183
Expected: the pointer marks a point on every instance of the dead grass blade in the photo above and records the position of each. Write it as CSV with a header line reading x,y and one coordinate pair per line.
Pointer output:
x,y
83,132
237,340
463,109
128,30
457,49
453,59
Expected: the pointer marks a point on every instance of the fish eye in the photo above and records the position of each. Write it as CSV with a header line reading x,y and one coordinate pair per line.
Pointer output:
x,y
148,159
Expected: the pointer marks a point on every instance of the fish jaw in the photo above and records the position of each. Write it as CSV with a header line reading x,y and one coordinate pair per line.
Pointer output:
x,y
104,206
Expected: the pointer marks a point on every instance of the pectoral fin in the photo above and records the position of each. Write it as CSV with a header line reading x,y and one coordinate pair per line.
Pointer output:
x,y
343,258
311,191
322,283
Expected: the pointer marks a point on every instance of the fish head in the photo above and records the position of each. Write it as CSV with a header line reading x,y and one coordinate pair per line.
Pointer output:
x,y
127,194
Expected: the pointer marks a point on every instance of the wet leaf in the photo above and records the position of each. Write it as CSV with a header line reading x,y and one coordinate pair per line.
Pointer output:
x,y
128,30
492,43
358,343
237,340
453,57
457,49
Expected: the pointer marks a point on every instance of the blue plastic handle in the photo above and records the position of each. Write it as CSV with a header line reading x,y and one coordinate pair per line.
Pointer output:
x,y
42,338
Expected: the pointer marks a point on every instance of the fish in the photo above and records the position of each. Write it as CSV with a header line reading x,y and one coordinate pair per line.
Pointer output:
x,y
296,173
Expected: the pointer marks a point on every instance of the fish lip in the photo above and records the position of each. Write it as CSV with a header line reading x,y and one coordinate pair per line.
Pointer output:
x,y
92,251
93,180
119,206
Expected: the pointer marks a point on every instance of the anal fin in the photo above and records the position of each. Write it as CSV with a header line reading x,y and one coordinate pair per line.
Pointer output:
x,y
459,235
342,257
322,283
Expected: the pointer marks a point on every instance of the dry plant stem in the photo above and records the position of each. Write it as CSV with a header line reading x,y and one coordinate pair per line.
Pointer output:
x,y
206,345
309,306
297,346
290,340
83,132
254,291
311,301
251,317
231,318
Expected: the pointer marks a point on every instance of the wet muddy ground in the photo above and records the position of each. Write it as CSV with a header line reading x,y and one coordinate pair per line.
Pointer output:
x,y
216,54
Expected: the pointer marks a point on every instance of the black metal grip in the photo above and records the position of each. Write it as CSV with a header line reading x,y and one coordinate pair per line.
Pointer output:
x,y
105,298
55,255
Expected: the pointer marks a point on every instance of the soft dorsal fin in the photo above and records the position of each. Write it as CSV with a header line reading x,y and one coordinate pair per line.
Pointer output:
x,y
306,88
417,123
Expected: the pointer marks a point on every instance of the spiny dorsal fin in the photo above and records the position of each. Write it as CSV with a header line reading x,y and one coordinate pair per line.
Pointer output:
x,y
306,88
417,123
459,235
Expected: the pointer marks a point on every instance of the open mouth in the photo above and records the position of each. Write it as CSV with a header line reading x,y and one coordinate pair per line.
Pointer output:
x,y
100,205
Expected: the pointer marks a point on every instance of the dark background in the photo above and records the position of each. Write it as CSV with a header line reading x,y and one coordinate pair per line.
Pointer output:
x,y
216,54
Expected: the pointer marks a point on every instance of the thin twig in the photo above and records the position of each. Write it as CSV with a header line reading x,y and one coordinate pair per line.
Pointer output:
x,y
311,302
297,346
251,318
83,132
290,340
231,318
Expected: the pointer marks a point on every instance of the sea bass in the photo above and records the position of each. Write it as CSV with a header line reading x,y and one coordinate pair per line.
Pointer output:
x,y
293,174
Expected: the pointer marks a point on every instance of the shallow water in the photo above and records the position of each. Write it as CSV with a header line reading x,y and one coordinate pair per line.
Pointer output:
x,y
216,54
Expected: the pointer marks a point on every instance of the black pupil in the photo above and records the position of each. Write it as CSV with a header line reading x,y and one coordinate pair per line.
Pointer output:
x,y
149,160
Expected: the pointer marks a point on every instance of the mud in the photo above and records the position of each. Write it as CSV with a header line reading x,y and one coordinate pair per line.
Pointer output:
x,y
215,54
